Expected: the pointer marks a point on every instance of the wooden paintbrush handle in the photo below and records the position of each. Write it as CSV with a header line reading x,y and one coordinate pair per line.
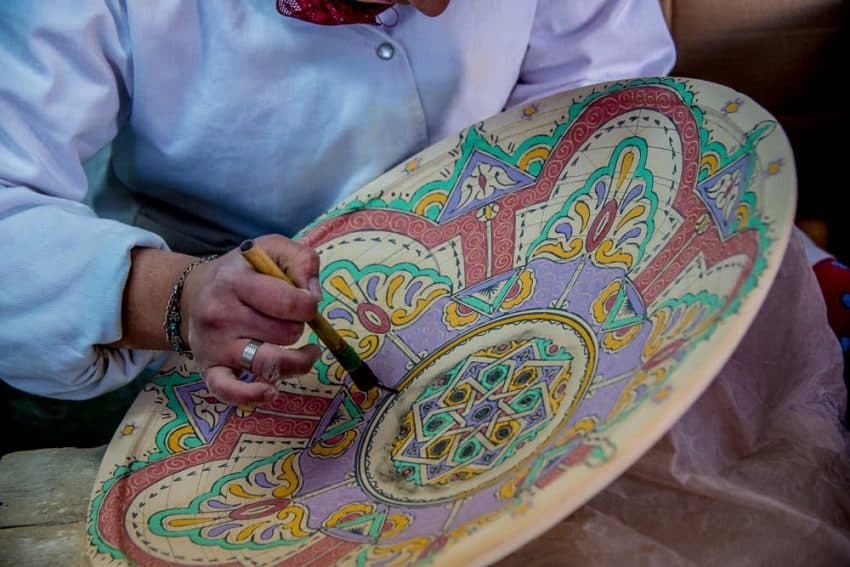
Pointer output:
x,y
264,264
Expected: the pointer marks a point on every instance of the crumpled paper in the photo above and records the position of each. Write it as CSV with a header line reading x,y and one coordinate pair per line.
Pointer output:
x,y
756,472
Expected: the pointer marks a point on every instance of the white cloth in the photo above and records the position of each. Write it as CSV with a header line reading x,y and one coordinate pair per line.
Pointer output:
x,y
249,120
814,253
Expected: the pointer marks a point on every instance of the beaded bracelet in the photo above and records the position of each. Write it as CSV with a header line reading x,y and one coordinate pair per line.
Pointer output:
x,y
171,325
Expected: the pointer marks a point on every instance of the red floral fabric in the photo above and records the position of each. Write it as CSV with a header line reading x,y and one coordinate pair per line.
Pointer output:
x,y
332,12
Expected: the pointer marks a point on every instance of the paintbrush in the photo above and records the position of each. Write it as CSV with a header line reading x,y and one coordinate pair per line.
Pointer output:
x,y
360,373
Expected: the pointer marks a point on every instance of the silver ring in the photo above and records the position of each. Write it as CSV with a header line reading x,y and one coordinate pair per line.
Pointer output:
x,y
249,352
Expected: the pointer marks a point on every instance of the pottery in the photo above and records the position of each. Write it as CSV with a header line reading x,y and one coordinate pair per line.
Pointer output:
x,y
548,291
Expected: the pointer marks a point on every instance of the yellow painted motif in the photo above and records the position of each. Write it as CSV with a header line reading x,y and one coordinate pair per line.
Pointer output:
x,y
606,254
711,162
628,396
289,477
398,554
346,511
239,492
529,110
456,320
627,161
339,284
613,341
597,308
189,522
402,317
326,451
412,165
537,153
175,439
526,288
559,251
429,200
294,519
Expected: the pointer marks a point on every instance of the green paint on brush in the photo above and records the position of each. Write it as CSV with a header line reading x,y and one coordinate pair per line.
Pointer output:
x,y
347,357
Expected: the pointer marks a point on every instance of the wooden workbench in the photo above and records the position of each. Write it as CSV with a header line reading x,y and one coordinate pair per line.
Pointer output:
x,y
44,498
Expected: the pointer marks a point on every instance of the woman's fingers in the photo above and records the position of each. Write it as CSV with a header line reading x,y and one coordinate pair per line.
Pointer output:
x,y
224,385
272,362
269,330
276,298
299,262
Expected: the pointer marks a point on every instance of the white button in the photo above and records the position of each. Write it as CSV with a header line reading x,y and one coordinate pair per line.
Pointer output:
x,y
385,51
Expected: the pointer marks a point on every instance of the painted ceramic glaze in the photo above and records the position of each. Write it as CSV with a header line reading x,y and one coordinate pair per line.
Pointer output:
x,y
549,291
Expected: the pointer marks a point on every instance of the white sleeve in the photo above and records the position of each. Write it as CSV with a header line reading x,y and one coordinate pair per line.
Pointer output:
x,y
65,83
581,42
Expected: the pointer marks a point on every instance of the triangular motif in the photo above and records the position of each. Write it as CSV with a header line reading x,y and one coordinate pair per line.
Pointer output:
x,y
367,526
623,313
487,296
722,193
484,179
205,412
342,415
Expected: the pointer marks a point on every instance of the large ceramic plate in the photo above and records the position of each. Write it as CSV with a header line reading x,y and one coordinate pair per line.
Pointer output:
x,y
549,291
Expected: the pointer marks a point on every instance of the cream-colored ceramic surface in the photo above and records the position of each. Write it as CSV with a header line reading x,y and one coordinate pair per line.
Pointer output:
x,y
549,290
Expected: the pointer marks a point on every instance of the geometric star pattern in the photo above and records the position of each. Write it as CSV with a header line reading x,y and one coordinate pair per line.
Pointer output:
x,y
481,412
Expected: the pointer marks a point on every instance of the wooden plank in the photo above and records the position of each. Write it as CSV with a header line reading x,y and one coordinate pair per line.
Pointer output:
x,y
48,486
36,546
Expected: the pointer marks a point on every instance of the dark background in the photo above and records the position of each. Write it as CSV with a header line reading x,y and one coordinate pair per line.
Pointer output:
x,y
790,56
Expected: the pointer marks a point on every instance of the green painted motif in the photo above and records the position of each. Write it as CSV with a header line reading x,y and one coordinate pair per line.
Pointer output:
x,y
231,517
621,196
481,412
366,303
474,138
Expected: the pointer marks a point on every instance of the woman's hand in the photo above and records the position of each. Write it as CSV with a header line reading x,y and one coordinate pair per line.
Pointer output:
x,y
225,304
